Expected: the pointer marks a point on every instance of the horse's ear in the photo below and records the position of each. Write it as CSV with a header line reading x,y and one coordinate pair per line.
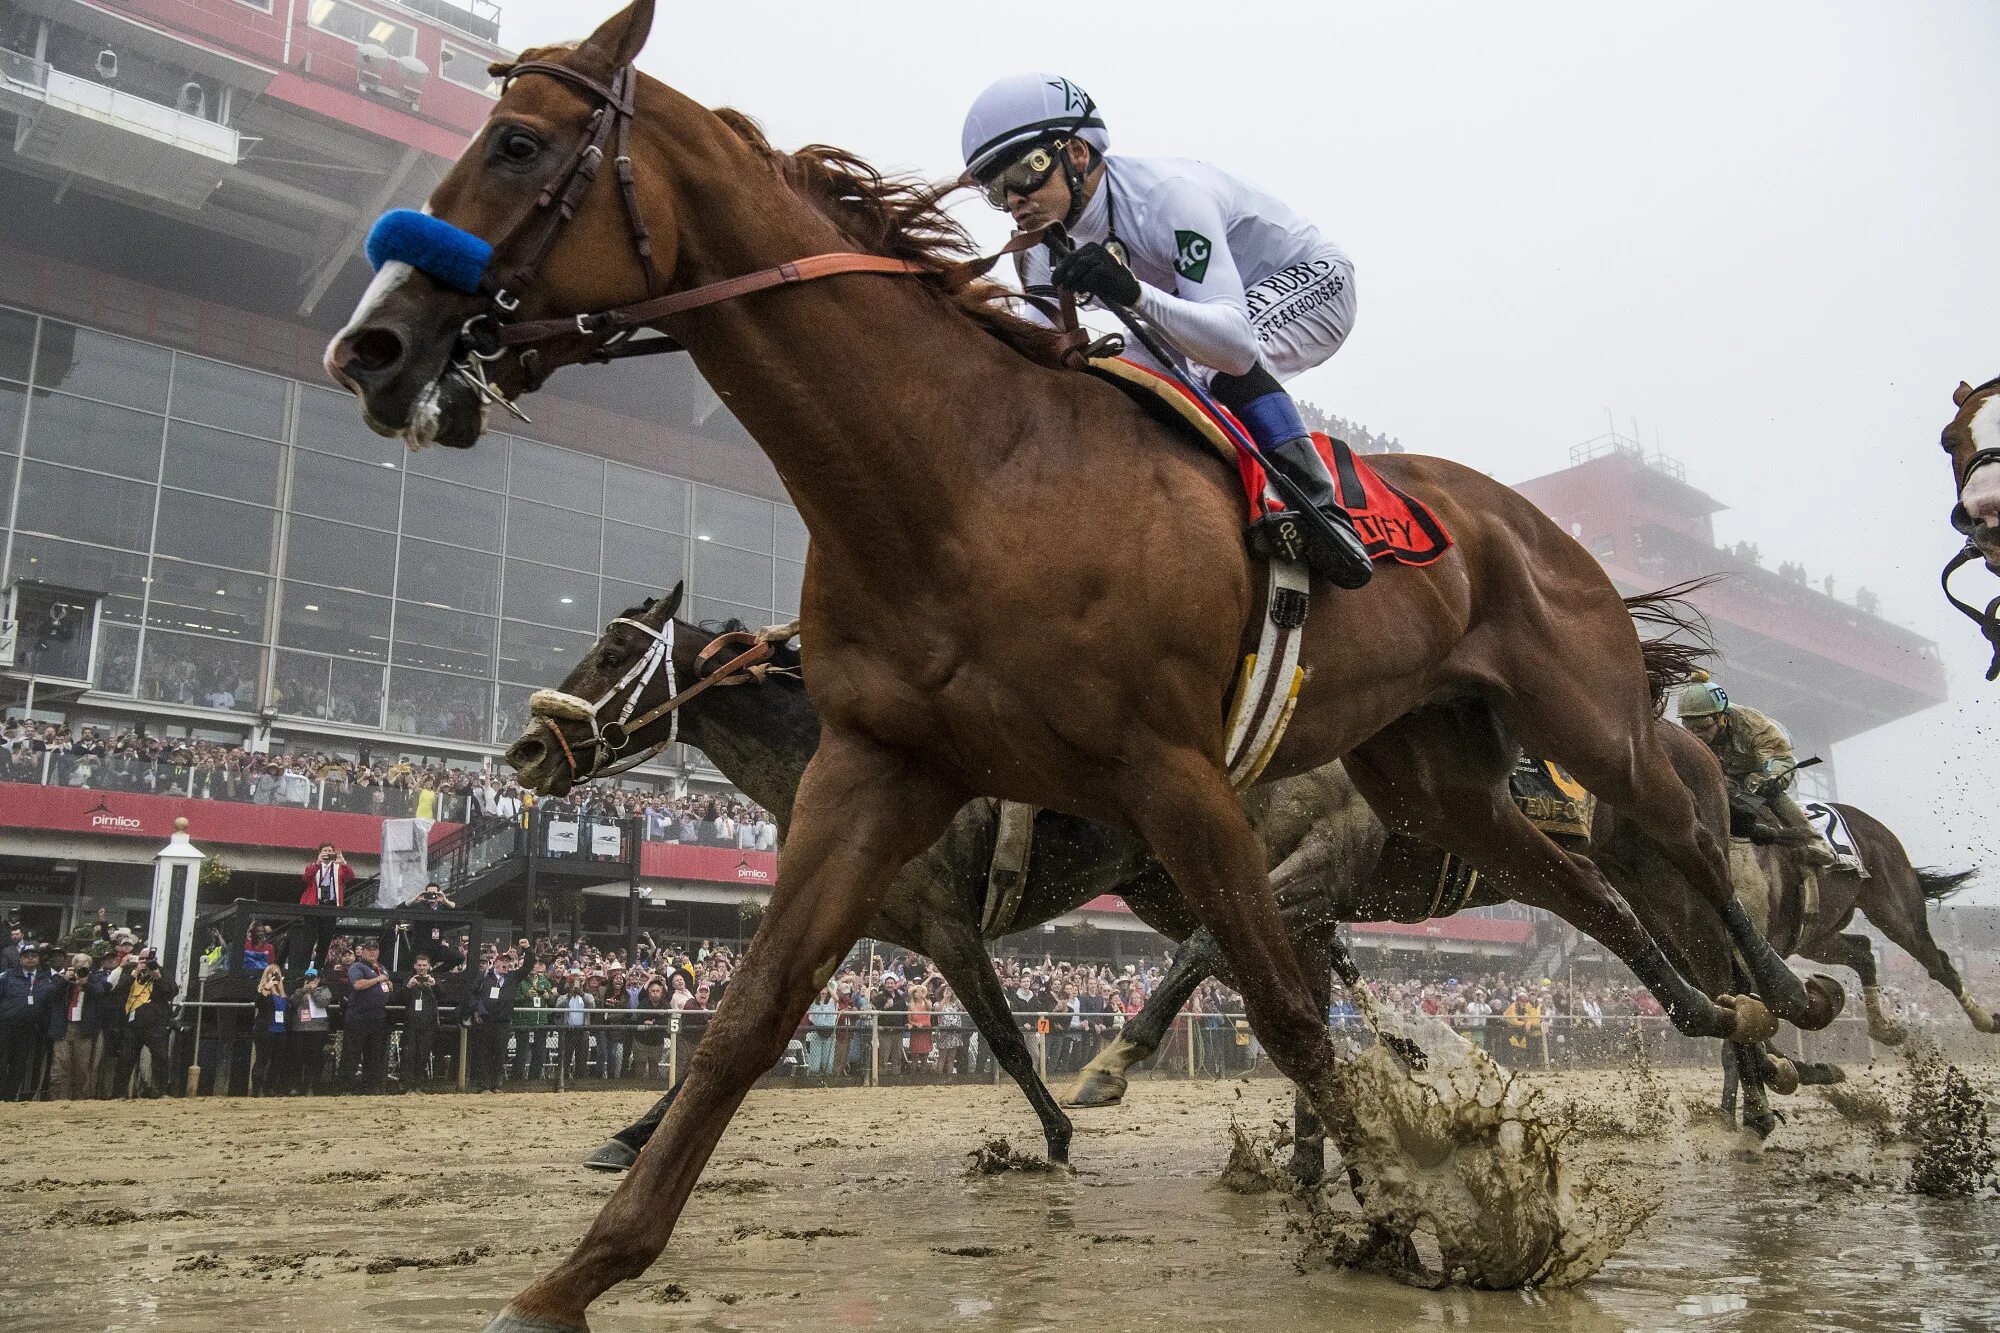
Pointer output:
x,y
671,603
1960,394
619,39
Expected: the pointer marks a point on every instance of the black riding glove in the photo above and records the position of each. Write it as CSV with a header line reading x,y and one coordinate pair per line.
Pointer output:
x,y
1092,270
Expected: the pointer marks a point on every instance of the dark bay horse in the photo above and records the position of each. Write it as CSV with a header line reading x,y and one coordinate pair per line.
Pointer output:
x,y
1972,439
1021,584
1333,860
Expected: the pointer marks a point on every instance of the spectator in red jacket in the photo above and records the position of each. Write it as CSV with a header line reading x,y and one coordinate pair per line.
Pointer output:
x,y
327,878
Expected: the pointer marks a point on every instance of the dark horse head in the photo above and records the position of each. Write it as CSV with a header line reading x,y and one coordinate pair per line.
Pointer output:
x,y
622,702
1973,441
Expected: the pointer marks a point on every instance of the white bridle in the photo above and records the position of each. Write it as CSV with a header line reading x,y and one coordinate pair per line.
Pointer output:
x,y
609,739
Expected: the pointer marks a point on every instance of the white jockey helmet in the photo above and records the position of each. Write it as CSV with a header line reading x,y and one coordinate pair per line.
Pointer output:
x,y
1025,108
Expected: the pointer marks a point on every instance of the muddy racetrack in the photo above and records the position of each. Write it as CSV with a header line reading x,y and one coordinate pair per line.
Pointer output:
x,y
854,1208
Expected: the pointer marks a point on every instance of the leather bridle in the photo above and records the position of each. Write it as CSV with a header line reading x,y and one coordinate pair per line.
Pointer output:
x,y
610,739
1962,521
492,333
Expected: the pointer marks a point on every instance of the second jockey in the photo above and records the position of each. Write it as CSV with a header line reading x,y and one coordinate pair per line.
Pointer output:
x,y
1240,284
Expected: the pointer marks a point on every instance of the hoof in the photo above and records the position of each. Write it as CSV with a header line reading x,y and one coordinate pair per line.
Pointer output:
x,y
1753,1022
1887,1032
1982,1017
511,1320
613,1156
1780,1075
1815,1074
1827,1000
1097,1088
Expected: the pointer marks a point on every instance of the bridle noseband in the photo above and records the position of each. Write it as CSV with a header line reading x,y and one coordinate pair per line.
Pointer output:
x,y
608,739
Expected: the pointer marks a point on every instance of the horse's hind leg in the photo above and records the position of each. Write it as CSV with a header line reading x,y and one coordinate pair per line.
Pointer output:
x,y
1102,1082
1440,774
1858,952
1593,714
1308,1135
1894,904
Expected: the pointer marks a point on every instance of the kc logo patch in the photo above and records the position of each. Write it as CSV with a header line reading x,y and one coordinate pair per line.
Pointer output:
x,y
1191,251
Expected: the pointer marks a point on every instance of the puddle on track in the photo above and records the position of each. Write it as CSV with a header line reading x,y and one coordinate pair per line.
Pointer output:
x,y
483,1192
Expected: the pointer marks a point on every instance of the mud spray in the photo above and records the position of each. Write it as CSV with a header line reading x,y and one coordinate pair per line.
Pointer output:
x,y
1457,1171
1946,1118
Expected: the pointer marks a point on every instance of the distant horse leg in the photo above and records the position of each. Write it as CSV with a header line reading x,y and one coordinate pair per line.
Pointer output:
x,y
954,945
623,1148
1594,716
1308,1135
1858,952
861,813
1439,774
1900,913
1102,1081
1758,1117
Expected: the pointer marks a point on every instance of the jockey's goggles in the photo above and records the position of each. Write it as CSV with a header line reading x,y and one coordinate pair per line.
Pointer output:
x,y
1025,174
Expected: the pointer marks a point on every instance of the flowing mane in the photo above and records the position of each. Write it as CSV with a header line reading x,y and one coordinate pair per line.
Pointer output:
x,y
901,217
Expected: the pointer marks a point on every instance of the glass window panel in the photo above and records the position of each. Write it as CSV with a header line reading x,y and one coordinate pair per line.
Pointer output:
x,y
334,620
338,555
553,536
117,658
708,611
17,344
638,555
618,598
302,684
356,694
737,520
119,576
68,503
650,499
13,406
483,465
206,673
791,578
228,396
331,421
97,365
538,655
95,435
442,639
511,719
204,600
215,532
450,575
550,596
455,514
791,544
732,575
221,463
430,704
351,492
557,476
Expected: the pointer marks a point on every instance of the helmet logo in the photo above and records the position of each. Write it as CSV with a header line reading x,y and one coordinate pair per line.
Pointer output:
x,y
1074,98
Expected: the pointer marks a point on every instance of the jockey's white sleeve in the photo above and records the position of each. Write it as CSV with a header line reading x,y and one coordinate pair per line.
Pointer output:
x,y
1215,333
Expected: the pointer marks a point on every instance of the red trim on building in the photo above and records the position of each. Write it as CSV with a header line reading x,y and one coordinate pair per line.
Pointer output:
x,y
714,865
216,823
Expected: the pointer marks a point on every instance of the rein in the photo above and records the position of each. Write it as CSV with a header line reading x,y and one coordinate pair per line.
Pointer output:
x,y
750,666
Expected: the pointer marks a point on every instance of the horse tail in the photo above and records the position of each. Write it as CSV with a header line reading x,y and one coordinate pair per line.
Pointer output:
x,y
1939,885
1674,656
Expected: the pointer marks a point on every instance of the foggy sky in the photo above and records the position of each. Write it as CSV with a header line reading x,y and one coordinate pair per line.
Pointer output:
x,y
1765,232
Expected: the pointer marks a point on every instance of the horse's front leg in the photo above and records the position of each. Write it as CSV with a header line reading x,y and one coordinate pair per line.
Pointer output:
x,y
861,813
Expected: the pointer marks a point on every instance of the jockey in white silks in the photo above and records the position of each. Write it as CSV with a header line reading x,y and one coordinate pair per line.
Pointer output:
x,y
1238,283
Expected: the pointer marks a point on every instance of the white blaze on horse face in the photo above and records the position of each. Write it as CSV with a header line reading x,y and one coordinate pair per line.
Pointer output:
x,y
387,279
1981,495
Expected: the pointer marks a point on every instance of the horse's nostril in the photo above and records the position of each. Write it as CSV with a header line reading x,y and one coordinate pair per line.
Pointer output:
x,y
373,351
526,753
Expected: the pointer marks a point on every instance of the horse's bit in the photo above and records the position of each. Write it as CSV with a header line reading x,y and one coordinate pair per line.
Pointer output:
x,y
1962,521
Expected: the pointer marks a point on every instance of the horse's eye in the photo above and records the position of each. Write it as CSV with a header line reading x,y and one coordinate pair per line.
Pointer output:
x,y
519,146
606,660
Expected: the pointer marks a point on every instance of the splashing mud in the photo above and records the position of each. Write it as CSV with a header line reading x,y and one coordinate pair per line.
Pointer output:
x,y
1947,1120
1455,1153
997,1155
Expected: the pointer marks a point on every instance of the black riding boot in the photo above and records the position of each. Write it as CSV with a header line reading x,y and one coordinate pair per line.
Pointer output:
x,y
1332,549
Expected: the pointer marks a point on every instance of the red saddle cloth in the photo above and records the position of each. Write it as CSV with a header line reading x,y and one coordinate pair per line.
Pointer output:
x,y
1394,526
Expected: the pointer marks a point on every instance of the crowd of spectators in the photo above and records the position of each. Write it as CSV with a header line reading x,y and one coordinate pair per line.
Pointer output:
x,y
1358,437
106,760
365,1014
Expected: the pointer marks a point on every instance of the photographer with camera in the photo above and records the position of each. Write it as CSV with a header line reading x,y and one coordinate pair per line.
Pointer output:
x,y
76,1022
420,1022
145,999
365,1040
327,878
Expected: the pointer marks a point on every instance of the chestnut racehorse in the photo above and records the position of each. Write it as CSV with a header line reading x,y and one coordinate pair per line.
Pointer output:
x,y
1020,584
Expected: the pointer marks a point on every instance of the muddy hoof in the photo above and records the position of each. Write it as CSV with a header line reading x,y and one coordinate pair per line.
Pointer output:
x,y
1828,999
1814,1074
613,1156
1982,1017
1753,1021
1887,1032
1097,1088
511,1320
1780,1075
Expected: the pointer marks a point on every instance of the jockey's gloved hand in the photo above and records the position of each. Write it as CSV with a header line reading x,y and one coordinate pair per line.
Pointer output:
x,y
1092,270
